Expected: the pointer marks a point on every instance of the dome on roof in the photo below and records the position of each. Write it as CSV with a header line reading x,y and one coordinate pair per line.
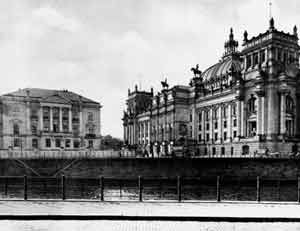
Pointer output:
x,y
222,68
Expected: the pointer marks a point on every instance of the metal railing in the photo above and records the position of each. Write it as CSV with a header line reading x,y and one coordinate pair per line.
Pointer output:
x,y
178,188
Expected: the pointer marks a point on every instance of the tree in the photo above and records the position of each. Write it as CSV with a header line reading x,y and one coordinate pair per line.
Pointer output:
x,y
109,142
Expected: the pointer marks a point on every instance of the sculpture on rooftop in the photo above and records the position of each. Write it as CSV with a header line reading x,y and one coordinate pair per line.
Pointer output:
x,y
164,84
196,71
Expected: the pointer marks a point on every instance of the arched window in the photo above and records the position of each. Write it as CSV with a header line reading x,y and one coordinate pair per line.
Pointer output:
x,y
16,129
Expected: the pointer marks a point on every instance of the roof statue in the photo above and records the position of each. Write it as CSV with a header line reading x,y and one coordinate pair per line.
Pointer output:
x,y
165,84
196,71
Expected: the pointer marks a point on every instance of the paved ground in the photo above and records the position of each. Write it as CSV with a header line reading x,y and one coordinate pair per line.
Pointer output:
x,y
148,209
143,226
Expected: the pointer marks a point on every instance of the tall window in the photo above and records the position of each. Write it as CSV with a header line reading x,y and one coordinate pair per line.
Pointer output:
x,y
200,117
289,104
215,113
34,143
262,56
48,143
233,108
225,111
207,115
16,129
252,104
248,61
90,116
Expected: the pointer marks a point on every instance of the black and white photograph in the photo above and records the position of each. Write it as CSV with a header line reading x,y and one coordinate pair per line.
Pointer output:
x,y
149,115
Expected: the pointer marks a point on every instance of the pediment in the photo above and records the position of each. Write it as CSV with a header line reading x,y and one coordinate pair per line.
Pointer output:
x,y
55,99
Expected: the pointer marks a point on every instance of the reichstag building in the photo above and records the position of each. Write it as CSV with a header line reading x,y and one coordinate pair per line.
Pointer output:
x,y
245,104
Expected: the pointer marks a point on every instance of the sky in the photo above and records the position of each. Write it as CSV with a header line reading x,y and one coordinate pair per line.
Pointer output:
x,y
100,48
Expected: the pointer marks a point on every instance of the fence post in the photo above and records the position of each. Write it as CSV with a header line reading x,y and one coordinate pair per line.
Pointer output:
x,y
258,189
218,189
63,185
298,189
179,188
6,186
25,187
140,189
102,188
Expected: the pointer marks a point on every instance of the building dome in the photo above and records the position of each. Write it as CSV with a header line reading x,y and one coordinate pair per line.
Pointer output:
x,y
225,66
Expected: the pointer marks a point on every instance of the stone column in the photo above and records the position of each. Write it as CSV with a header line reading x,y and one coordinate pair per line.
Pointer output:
x,y
80,121
51,119
220,115
28,120
263,117
259,116
238,117
273,113
70,120
282,113
41,119
211,125
243,122
60,119
203,125
229,122
297,118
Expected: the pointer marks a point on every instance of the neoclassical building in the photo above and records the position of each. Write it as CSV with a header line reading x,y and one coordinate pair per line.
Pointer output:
x,y
246,103
45,119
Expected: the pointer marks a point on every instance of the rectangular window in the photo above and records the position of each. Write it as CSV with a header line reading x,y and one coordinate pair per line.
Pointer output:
x,y
17,142
90,116
223,151
76,143
262,56
207,126
214,151
33,129
234,123
234,134
200,127
248,61
68,143
200,116
57,143
91,144
48,143
225,135
34,143
207,137
216,125
225,124
216,136
191,118
255,57
199,137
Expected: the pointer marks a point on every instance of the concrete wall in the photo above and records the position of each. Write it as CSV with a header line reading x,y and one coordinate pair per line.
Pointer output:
x,y
131,167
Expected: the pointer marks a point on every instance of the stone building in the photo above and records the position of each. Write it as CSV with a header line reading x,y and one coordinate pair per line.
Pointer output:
x,y
245,104
45,119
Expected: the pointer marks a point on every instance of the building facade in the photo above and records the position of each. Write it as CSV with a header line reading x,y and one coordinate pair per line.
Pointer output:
x,y
247,103
48,119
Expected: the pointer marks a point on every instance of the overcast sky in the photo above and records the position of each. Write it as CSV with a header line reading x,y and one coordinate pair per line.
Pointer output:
x,y
100,48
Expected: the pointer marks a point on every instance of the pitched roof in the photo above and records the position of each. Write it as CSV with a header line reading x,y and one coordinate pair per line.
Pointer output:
x,y
49,95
